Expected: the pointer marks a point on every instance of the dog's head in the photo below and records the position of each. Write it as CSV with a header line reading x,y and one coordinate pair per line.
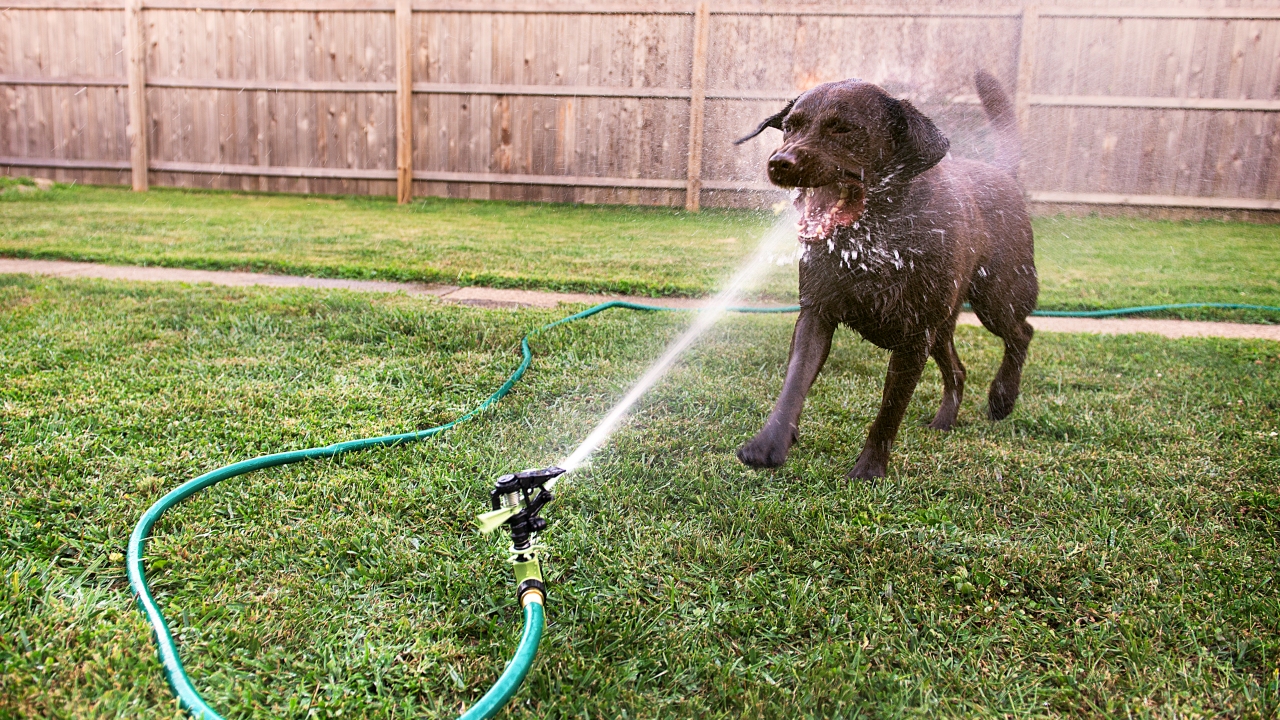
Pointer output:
x,y
842,140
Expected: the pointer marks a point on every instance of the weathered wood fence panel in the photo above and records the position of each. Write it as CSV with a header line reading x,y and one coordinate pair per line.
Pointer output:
x,y
508,93
1169,151
81,120
285,99
1172,104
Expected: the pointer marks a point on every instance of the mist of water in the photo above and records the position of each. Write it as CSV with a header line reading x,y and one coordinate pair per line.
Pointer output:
x,y
779,241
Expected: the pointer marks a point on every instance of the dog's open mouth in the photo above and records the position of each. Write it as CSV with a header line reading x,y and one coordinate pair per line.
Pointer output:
x,y
828,207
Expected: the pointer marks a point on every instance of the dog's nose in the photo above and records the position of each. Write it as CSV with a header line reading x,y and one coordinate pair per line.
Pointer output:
x,y
783,161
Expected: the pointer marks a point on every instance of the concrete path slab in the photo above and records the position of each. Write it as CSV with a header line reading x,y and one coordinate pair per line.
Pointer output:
x,y
62,268
1128,326
495,297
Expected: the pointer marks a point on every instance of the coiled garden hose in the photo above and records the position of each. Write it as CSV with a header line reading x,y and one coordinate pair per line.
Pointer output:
x,y
534,613
167,649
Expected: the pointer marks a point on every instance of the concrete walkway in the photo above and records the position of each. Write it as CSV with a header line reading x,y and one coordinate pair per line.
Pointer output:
x,y
493,297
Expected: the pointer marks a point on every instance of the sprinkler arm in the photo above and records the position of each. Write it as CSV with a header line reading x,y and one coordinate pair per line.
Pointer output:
x,y
495,519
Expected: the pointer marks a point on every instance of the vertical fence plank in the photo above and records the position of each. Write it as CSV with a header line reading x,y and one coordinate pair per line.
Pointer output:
x,y
135,43
697,103
1028,32
404,101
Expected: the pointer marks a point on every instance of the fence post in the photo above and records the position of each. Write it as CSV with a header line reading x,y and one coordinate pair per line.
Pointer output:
x,y
404,101
697,103
135,46
1029,28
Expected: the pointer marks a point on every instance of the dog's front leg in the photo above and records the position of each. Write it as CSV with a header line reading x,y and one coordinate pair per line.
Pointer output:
x,y
905,366
810,344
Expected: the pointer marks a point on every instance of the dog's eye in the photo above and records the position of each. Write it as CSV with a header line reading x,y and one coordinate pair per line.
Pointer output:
x,y
793,121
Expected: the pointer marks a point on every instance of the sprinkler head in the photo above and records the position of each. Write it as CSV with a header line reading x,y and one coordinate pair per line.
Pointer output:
x,y
522,495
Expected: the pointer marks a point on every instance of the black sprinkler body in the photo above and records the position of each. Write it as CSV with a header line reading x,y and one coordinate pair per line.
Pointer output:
x,y
518,489
526,490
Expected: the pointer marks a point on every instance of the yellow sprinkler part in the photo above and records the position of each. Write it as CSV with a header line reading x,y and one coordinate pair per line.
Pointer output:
x,y
495,519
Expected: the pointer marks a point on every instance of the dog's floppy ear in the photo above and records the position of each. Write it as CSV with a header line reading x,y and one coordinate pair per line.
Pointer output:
x,y
920,145
773,121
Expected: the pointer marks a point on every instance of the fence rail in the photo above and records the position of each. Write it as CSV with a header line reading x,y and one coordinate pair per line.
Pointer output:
x,y
1099,101
1138,106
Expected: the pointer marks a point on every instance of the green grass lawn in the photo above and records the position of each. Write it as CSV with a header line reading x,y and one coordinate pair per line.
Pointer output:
x,y
1084,263
1108,551
647,251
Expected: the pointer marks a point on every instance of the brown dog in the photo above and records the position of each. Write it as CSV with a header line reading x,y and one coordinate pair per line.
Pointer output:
x,y
897,237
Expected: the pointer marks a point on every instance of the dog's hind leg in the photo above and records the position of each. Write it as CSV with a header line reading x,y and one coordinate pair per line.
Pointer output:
x,y
1013,328
1008,380
1002,296
953,374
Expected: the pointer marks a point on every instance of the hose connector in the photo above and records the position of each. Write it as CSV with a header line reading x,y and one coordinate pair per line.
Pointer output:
x,y
529,584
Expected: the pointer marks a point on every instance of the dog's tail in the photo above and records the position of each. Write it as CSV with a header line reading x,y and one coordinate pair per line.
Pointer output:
x,y
1003,118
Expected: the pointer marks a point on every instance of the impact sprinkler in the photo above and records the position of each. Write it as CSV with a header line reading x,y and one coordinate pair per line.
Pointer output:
x,y
516,499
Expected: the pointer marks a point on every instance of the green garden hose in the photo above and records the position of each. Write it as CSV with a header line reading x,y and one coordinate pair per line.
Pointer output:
x,y
510,680
534,617
1150,308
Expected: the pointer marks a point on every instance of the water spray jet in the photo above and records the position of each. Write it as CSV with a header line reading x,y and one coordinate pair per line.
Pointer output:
x,y
760,262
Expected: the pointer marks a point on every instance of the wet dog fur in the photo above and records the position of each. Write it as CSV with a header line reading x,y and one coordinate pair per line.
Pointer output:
x,y
897,236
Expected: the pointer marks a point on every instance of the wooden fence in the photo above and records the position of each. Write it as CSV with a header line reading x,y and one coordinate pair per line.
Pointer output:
x,y
1168,106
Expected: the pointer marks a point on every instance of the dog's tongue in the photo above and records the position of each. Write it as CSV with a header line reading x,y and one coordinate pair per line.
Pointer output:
x,y
823,209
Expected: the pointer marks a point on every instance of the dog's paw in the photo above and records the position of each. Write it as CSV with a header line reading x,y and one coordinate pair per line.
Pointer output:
x,y
999,406
868,467
763,452
1001,399
940,423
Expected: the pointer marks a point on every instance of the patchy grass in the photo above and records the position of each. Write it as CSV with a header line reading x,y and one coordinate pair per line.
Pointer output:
x,y
7,182
1085,263
1110,550
611,248
1095,263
